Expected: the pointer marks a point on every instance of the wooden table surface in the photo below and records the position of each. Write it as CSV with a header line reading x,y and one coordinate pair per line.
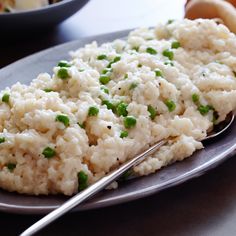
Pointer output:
x,y
202,206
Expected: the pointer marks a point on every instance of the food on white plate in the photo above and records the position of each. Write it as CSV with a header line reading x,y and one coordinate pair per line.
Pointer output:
x,y
63,132
22,5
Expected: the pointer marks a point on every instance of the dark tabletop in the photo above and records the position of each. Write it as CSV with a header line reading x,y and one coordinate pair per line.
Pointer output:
x,y
202,206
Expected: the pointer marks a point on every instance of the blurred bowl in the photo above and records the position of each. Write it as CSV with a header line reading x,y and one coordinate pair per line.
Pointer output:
x,y
45,17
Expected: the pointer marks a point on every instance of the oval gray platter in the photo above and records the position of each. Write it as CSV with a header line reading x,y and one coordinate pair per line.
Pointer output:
x,y
214,153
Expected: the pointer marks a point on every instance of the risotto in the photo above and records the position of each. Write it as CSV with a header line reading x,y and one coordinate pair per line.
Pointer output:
x,y
63,132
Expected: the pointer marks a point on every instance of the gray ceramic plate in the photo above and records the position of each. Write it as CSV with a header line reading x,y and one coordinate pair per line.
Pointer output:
x,y
214,153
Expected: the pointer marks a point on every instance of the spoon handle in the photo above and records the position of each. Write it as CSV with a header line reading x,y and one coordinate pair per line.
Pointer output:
x,y
90,191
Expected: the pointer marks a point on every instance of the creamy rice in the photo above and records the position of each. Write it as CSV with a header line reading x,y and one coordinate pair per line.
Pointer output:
x,y
177,97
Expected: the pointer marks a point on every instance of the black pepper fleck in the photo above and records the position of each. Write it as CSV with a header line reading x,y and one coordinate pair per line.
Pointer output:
x,y
109,127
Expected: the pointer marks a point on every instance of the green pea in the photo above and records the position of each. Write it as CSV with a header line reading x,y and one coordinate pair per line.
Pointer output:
x,y
63,119
105,89
175,45
93,111
2,139
124,134
49,152
11,166
170,21
133,86
64,63
82,180
158,73
6,98
151,51
104,79
129,122
204,109
170,104
121,109
63,73
48,90
152,111
109,105
168,53
195,98
102,57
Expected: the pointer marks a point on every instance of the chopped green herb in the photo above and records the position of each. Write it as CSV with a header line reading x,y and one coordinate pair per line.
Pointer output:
x,y
105,89
82,126
81,70
48,90
63,73
139,65
170,21
93,111
104,79
129,122
11,166
116,59
102,57
152,112
204,109
82,180
64,64
48,152
63,119
124,134
6,97
169,63
109,105
170,104
168,53
126,76
158,73
175,45
133,86
195,98
151,51
2,139
121,109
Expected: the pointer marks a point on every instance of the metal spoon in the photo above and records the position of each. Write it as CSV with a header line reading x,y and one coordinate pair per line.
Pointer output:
x,y
108,179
